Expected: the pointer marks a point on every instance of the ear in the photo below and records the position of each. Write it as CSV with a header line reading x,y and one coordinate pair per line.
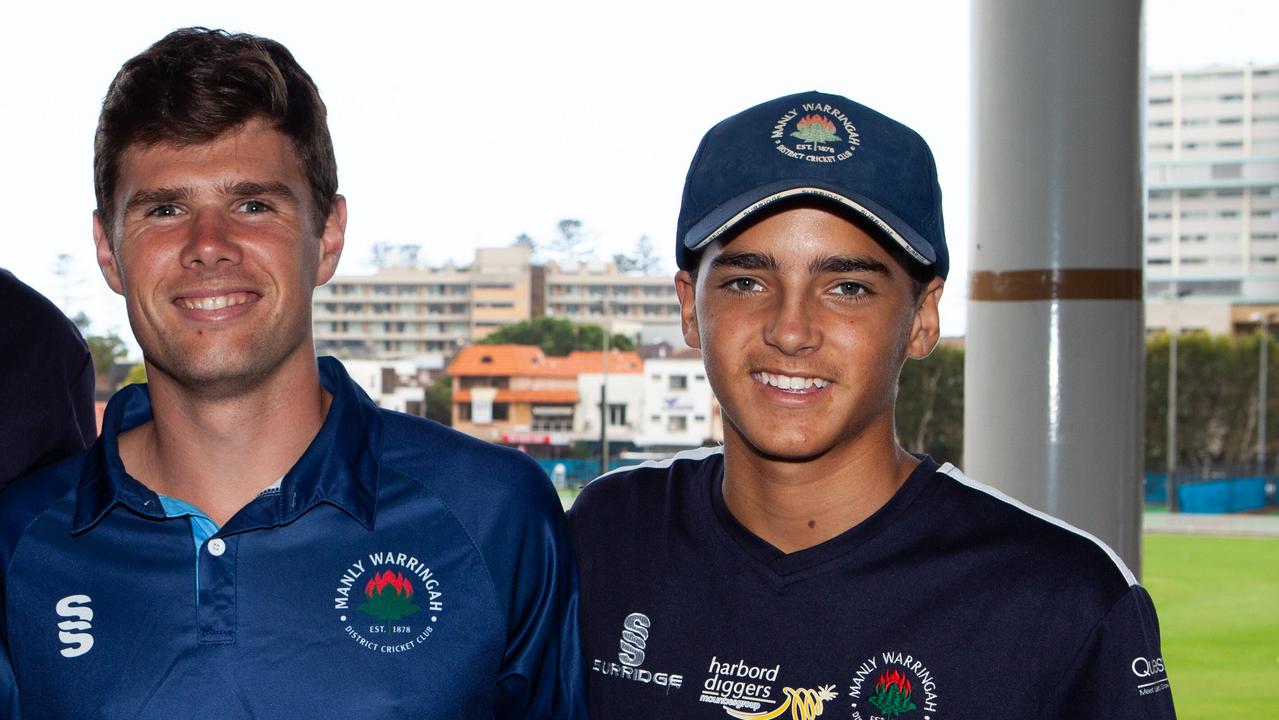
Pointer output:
x,y
926,326
332,240
107,261
686,288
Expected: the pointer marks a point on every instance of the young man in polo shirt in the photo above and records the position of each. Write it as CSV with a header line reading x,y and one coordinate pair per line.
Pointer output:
x,y
251,536
811,567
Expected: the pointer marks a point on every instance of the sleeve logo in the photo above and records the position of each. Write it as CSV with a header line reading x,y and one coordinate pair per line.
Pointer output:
x,y
74,632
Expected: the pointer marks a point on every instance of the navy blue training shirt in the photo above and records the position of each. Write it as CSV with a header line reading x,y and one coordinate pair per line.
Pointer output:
x,y
951,601
399,569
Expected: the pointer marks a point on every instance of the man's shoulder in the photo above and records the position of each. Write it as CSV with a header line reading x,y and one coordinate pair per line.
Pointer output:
x,y
26,499
1040,551
647,489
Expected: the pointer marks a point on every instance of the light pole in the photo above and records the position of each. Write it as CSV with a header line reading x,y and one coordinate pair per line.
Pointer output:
x,y
604,410
1263,340
1170,482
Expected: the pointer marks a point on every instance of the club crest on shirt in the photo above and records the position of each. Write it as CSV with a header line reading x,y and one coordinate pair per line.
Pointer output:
x,y
388,602
815,132
893,686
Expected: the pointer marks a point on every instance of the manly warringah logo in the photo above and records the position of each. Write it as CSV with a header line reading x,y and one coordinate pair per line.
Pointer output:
x,y
894,685
631,654
74,632
388,602
810,133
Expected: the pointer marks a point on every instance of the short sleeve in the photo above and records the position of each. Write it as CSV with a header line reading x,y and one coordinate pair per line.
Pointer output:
x,y
541,674
1119,672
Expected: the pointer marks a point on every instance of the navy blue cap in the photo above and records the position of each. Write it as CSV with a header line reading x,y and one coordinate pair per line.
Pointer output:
x,y
818,146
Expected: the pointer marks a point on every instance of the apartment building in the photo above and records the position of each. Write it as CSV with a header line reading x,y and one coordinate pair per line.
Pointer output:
x,y
642,306
403,312
1212,214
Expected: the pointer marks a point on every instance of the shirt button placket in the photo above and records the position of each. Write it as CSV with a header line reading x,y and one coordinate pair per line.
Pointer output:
x,y
216,613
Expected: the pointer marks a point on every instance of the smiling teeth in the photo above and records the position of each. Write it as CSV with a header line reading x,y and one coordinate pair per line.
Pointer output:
x,y
787,382
216,302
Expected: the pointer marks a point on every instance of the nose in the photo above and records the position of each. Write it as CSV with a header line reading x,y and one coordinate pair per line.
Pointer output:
x,y
793,326
210,242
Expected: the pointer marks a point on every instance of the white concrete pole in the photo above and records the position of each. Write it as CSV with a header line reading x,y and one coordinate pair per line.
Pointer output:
x,y
1054,356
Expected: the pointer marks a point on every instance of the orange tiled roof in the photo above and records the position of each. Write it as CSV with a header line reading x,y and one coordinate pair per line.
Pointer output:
x,y
530,361
564,397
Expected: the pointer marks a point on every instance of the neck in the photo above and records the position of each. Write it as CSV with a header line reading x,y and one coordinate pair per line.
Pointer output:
x,y
797,504
218,453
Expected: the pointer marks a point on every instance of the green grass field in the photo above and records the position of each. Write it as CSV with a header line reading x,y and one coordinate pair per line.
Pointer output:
x,y
1218,603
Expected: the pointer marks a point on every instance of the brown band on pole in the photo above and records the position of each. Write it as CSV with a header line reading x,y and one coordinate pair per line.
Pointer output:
x,y
1056,284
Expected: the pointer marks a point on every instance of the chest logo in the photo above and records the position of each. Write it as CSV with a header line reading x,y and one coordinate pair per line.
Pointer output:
x,y
74,631
631,655
893,686
388,602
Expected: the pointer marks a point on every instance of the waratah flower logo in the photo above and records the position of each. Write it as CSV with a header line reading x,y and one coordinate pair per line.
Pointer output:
x,y
390,596
816,128
892,694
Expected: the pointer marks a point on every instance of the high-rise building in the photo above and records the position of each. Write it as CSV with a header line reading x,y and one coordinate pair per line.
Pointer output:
x,y
403,312
1212,212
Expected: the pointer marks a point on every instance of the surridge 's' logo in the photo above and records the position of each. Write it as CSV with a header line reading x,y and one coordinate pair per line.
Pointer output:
x,y
632,654
75,632
895,685
634,635
818,130
402,602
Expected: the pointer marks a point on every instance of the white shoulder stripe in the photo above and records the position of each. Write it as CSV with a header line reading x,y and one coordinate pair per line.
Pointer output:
x,y
694,454
963,479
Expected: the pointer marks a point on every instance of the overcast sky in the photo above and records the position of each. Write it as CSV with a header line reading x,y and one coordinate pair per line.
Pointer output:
x,y
462,125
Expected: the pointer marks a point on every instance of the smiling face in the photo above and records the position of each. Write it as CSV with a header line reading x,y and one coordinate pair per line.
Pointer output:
x,y
215,251
804,321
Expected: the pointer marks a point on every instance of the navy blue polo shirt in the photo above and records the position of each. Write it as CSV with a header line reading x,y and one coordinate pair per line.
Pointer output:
x,y
399,569
951,601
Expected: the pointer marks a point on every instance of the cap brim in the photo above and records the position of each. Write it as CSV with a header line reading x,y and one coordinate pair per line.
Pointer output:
x,y
734,212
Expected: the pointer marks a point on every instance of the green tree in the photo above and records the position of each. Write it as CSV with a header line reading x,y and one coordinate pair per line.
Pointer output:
x,y
105,349
643,259
439,400
137,375
572,244
556,336
930,404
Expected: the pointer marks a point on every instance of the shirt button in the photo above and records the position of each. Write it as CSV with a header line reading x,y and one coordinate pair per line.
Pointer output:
x,y
217,546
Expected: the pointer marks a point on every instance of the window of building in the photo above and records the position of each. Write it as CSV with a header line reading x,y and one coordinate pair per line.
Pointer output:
x,y
677,423
699,378
1160,194
1157,239
1230,97
1159,261
678,382
1161,101
616,414
1229,145
464,412
1229,120
1194,237
1194,122
699,418
1194,214
1230,193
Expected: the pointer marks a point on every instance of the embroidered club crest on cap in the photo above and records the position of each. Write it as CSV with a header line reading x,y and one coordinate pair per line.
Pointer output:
x,y
817,146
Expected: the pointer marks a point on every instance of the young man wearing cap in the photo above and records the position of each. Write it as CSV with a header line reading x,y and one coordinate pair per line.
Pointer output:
x,y
811,567
251,537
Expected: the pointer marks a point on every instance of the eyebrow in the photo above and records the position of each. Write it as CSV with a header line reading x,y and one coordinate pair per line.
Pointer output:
x,y
839,264
745,261
241,188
